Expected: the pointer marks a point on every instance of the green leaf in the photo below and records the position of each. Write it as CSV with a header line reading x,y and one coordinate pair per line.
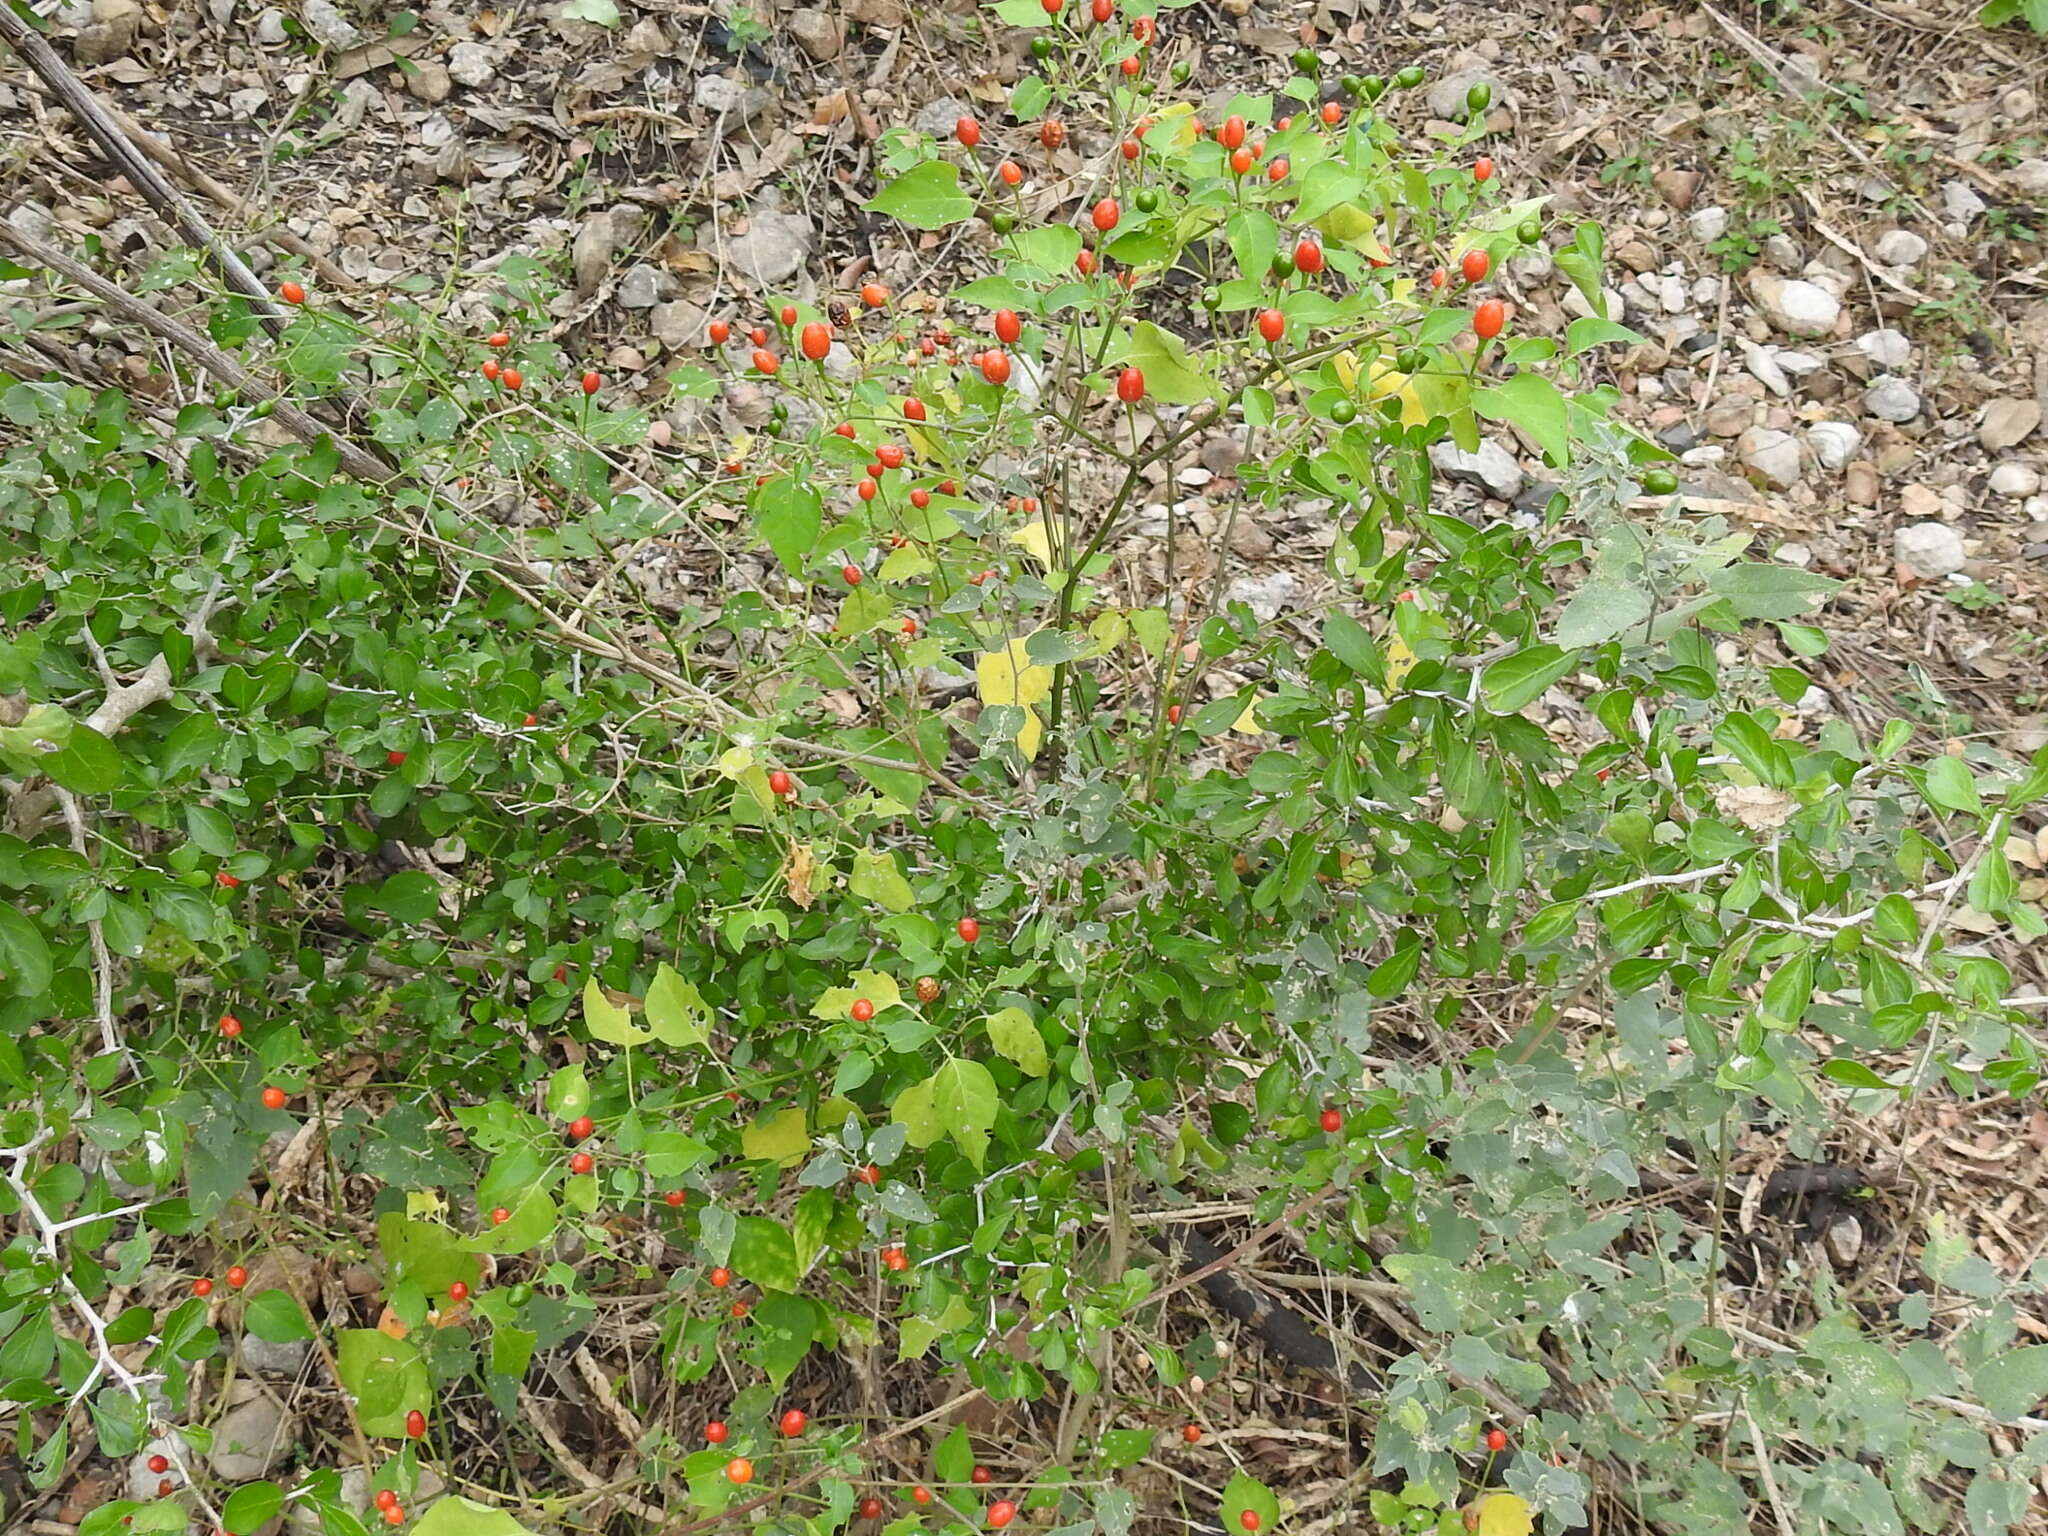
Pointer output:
x,y
24,955
1352,643
1759,591
603,13
925,197
1601,611
210,831
568,1092
1393,974
275,1318
1513,683
1790,989
606,1020
917,1112
953,1457
1049,247
1952,786
512,1349
1532,405
453,1515
1245,1492
89,764
410,896
2011,1384
251,1507
1253,240
765,1253
965,1097
1853,1074
676,1010
789,516
1170,375
1120,1448
1589,331
386,1376
1011,1032
876,878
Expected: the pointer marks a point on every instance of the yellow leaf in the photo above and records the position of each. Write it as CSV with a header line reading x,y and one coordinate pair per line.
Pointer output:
x,y
783,1137
1400,660
1505,1514
923,441
1009,678
423,1202
1346,364
905,564
1346,222
1108,630
1245,724
1035,542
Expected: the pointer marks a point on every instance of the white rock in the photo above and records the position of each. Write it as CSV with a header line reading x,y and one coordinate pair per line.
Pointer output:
x,y
2008,422
1780,251
1265,595
1929,550
1886,348
1891,398
937,117
1844,1240
1899,248
1762,364
329,27
1798,364
731,99
1794,306
1834,443
678,325
640,287
1961,202
250,1437
1576,306
270,30
1708,224
773,248
1493,468
2013,478
472,64
2030,176
816,33
840,365
1447,95
1795,554
1532,267
1772,454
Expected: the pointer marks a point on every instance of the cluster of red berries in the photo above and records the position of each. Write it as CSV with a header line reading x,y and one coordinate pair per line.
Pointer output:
x,y
388,1506
236,1277
814,339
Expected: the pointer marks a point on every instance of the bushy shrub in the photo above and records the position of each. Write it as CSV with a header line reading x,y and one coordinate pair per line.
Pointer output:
x,y
833,943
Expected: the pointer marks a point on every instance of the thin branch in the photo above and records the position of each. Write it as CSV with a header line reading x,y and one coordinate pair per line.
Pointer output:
x,y
357,461
97,121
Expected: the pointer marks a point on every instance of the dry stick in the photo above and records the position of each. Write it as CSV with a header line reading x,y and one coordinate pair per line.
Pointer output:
x,y
143,176
355,460
172,159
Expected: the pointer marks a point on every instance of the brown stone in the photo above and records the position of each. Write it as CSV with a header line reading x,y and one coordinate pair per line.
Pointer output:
x,y
1678,188
1859,483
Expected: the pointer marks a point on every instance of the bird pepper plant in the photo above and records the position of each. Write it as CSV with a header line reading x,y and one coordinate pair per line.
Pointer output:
x,y
824,964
